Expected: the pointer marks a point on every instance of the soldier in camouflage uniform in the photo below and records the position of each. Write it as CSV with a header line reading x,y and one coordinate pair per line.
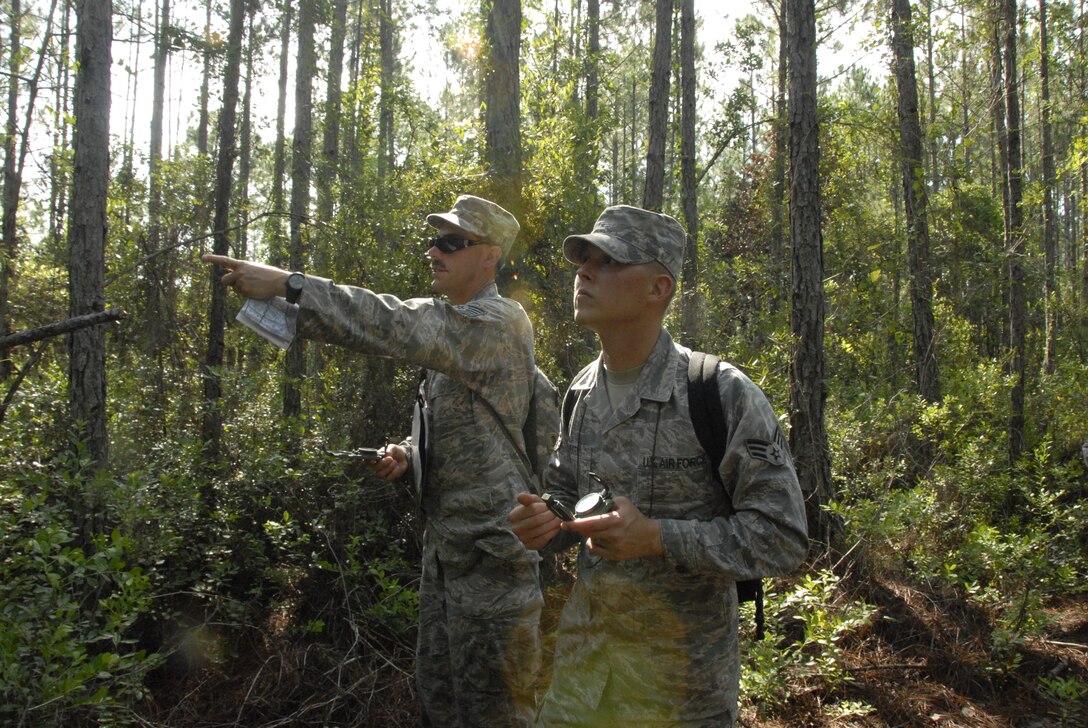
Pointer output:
x,y
479,647
649,634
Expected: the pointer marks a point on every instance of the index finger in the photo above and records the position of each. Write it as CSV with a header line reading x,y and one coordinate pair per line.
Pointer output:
x,y
591,524
223,260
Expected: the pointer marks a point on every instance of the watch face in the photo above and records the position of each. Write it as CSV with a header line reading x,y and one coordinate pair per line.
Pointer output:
x,y
294,286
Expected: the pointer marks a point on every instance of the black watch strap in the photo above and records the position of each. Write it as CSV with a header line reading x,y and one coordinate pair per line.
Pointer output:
x,y
295,281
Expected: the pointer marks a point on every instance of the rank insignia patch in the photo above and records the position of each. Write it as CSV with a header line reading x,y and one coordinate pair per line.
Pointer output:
x,y
470,309
770,452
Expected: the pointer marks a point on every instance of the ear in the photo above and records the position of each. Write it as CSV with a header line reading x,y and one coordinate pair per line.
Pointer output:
x,y
492,256
662,288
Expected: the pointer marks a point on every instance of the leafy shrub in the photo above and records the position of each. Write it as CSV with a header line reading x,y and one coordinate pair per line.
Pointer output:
x,y
68,602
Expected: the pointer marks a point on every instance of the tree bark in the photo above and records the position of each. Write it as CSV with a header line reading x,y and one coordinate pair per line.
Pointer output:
x,y
1083,83
588,170
385,102
1051,291
157,278
11,186
778,186
301,163
59,189
212,426
654,192
502,100
1014,234
278,245
330,143
205,83
808,388
87,230
16,146
689,302
927,372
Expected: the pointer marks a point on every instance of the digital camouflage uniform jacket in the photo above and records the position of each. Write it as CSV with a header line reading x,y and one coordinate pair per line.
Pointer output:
x,y
482,349
661,632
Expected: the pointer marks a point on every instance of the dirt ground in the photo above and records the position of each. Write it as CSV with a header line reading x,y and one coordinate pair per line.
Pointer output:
x,y
923,661
931,662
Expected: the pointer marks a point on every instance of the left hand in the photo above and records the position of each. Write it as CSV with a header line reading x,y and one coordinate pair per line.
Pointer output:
x,y
624,533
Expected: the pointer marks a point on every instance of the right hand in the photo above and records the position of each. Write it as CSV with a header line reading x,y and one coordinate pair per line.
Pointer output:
x,y
394,462
249,279
533,523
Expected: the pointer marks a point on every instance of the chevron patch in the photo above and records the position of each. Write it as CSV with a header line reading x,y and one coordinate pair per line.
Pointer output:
x,y
770,452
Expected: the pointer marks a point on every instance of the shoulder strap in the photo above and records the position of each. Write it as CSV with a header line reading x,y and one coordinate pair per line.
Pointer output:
x,y
570,401
705,407
524,462
708,419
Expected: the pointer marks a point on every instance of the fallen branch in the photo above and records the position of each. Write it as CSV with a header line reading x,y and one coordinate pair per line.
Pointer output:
x,y
1077,645
59,327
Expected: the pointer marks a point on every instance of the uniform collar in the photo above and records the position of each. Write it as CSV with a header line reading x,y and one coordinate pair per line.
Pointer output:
x,y
655,383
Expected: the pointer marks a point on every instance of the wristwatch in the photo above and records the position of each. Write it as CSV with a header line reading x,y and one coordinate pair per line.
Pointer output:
x,y
295,282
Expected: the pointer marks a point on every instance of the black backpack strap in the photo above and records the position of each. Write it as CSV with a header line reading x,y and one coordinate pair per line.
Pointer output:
x,y
708,419
570,401
705,407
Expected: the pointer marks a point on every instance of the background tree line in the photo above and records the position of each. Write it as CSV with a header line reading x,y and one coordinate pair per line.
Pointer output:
x,y
894,248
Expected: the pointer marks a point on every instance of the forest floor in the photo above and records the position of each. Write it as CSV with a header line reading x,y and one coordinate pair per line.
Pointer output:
x,y
922,661
929,661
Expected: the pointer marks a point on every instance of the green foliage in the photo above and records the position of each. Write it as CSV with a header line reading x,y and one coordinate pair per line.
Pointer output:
x,y
69,601
775,667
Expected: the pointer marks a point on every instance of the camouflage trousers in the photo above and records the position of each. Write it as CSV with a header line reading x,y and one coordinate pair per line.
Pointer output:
x,y
478,652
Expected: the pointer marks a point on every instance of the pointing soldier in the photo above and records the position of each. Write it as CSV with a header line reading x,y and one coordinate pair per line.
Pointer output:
x,y
479,601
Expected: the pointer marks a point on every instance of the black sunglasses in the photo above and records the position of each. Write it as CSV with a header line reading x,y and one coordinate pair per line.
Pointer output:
x,y
452,243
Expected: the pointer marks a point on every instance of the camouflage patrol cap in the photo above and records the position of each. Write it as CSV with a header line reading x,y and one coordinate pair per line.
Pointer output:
x,y
482,218
633,235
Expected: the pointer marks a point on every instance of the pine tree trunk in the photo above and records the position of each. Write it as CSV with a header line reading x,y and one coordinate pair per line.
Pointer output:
x,y
87,231
778,187
157,270
931,93
654,192
1014,235
224,169
808,387
916,204
205,83
278,245
385,102
301,163
58,174
16,146
1050,232
587,174
330,144
502,99
10,186
689,309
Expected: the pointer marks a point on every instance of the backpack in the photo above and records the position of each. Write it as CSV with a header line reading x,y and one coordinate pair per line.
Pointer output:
x,y
705,408
708,419
541,428
540,431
